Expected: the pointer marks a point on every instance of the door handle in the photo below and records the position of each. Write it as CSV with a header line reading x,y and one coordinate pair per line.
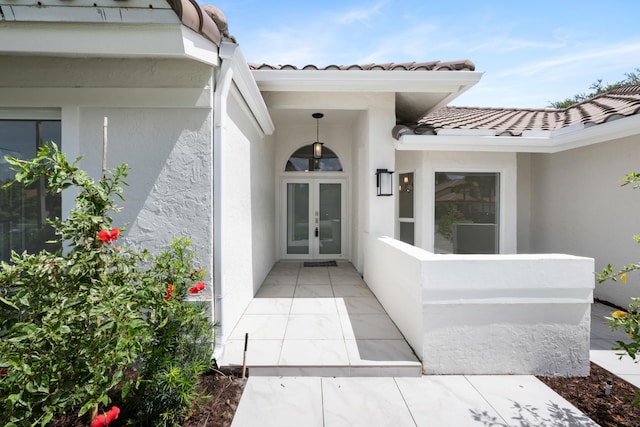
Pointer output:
x,y
317,232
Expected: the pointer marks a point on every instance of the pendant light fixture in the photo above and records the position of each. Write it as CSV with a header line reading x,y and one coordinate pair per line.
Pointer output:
x,y
317,146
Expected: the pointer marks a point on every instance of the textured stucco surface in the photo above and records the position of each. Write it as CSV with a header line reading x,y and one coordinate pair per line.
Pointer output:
x,y
166,140
169,152
486,314
486,339
578,207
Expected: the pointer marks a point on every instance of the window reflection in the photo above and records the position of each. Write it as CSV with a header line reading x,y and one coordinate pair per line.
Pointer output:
x,y
466,213
302,161
24,210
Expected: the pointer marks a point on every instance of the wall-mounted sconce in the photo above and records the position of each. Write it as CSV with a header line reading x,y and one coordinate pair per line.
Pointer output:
x,y
317,146
384,182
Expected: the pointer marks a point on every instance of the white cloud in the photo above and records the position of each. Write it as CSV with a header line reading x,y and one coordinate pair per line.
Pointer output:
x,y
512,44
360,15
606,57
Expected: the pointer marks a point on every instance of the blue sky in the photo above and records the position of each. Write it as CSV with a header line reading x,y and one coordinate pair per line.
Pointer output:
x,y
532,52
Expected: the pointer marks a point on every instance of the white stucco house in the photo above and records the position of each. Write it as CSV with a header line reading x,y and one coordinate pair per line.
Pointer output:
x,y
494,219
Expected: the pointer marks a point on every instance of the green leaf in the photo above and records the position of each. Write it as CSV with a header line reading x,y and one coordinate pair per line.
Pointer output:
x,y
85,408
9,303
126,388
47,419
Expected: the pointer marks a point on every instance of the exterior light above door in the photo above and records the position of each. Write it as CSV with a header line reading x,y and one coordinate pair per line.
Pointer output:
x,y
317,146
384,182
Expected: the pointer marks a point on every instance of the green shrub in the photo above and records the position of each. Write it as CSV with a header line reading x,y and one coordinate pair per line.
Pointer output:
x,y
97,322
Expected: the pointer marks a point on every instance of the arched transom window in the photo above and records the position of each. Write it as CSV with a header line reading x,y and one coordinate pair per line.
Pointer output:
x,y
302,161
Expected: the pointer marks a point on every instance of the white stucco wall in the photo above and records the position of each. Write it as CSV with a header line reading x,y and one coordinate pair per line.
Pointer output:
x,y
247,252
524,203
578,207
486,314
169,191
160,123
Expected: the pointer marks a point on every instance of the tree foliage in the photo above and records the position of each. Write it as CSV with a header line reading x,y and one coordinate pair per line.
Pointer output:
x,y
597,88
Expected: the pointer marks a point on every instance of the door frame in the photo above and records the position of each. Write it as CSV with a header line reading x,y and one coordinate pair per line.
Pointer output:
x,y
314,185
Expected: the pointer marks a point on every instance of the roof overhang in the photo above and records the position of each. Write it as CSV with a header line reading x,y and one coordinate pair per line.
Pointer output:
x,y
530,142
247,86
417,92
168,39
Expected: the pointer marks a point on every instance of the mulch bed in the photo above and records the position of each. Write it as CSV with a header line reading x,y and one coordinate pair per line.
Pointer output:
x,y
218,411
588,395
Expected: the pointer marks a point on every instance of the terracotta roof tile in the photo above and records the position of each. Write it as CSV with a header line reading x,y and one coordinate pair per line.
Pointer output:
x,y
462,65
620,102
207,20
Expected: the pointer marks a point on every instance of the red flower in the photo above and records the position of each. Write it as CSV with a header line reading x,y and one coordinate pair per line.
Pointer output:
x,y
112,414
197,288
105,419
99,421
109,235
169,292
3,372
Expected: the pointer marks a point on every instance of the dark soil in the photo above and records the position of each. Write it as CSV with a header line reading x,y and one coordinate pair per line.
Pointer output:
x,y
588,395
222,391
225,392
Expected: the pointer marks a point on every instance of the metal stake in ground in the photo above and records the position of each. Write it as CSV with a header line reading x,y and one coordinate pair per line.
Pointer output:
x,y
104,146
244,356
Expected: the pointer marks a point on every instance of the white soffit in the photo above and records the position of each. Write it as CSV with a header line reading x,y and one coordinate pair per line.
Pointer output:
x,y
247,86
106,40
365,80
531,142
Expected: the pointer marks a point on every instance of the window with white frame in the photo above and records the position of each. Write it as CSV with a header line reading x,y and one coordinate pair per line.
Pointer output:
x,y
466,213
406,215
24,210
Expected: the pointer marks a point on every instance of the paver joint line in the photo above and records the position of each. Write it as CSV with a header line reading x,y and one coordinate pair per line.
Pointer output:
x,y
486,400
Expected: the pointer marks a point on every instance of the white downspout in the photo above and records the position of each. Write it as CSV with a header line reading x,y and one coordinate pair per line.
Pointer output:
x,y
222,85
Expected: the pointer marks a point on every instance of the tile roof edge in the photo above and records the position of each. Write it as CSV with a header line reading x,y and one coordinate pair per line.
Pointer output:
x,y
206,20
622,90
459,65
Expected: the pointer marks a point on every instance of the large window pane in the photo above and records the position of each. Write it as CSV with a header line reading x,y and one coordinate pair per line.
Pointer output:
x,y
466,213
23,211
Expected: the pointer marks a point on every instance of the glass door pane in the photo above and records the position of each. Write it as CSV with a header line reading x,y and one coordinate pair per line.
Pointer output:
x,y
298,218
330,227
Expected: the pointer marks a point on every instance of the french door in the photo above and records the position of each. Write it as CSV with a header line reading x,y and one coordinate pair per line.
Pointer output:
x,y
313,225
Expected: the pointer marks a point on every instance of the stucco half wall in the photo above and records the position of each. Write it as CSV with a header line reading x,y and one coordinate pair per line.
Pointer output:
x,y
486,314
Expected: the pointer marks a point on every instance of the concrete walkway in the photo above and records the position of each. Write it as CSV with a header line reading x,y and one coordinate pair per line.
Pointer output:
x,y
451,400
448,400
318,321
429,401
